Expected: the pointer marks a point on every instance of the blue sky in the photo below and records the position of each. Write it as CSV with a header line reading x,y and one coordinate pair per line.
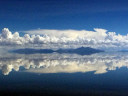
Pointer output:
x,y
20,15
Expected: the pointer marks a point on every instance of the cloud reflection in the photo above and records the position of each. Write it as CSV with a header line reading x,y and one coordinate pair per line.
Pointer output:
x,y
63,63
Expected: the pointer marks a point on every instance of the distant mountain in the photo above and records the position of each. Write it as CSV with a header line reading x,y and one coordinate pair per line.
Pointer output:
x,y
32,51
80,51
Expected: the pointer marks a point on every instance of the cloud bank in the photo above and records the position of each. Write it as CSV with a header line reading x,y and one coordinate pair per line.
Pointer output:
x,y
44,38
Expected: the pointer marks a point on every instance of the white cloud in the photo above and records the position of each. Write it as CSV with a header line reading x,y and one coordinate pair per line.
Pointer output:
x,y
44,38
72,34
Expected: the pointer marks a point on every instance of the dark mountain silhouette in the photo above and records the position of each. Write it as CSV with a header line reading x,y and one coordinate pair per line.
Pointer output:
x,y
32,51
80,51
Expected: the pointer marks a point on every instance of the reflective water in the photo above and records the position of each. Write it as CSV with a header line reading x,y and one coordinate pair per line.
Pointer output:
x,y
101,74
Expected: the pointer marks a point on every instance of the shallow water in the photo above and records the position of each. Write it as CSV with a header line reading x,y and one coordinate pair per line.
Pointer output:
x,y
101,74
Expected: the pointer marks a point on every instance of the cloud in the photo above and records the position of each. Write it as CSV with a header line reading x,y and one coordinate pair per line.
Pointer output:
x,y
72,34
99,38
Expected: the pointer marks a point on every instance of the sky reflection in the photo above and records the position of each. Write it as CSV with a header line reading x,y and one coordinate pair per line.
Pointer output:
x,y
63,63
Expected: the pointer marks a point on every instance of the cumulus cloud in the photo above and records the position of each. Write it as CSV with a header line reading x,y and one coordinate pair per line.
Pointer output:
x,y
71,34
99,38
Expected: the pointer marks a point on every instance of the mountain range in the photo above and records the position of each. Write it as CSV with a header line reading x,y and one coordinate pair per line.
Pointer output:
x,y
80,51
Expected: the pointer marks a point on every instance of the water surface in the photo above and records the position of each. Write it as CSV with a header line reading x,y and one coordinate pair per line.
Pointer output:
x,y
100,74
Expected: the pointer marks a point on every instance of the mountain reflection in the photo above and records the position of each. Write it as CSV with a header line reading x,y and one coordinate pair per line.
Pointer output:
x,y
63,63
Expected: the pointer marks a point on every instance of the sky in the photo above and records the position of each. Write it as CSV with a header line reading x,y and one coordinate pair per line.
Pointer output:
x,y
64,16
19,15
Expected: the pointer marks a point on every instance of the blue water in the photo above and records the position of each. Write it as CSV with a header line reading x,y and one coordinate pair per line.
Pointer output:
x,y
101,74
